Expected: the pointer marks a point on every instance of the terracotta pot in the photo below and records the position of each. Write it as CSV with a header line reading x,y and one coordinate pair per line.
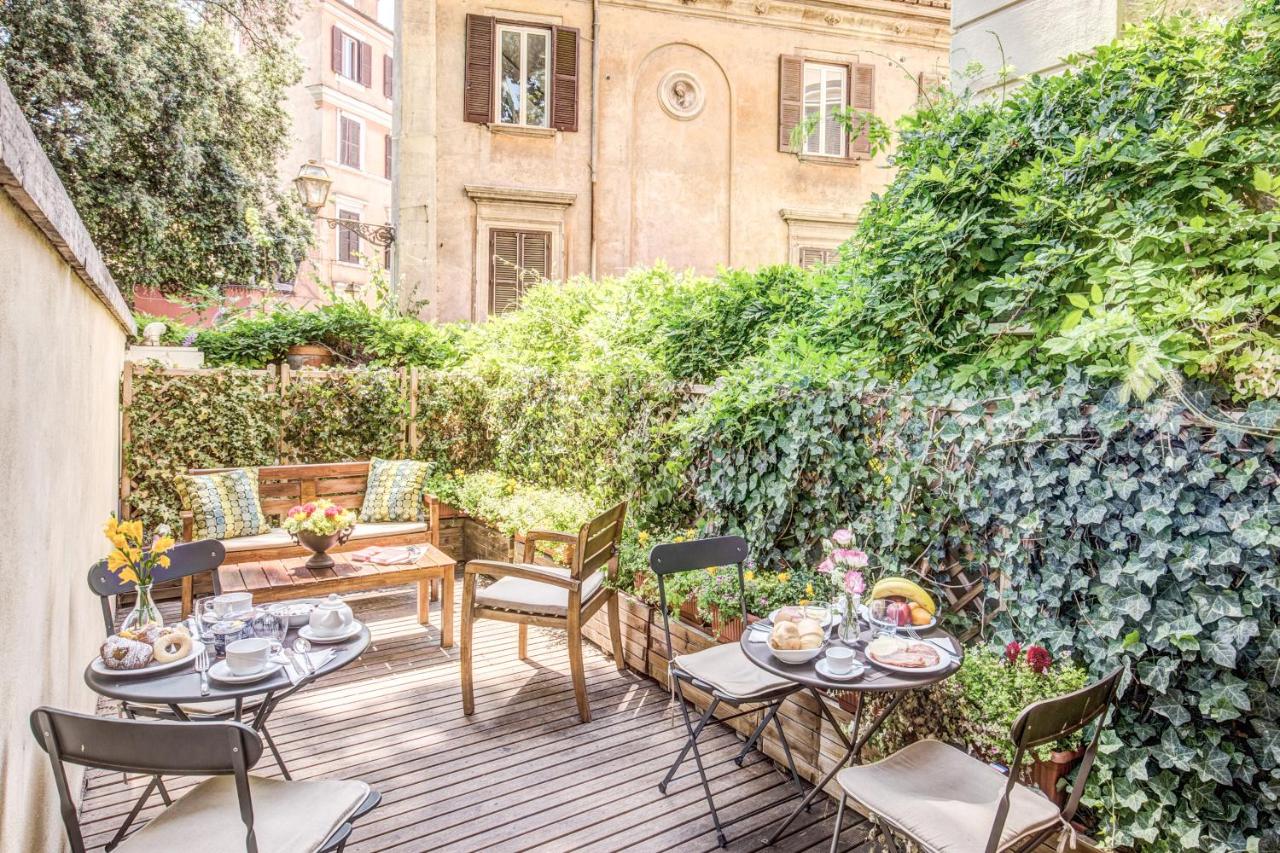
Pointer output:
x,y
1046,774
308,355
847,700
689,611
318,545
727,631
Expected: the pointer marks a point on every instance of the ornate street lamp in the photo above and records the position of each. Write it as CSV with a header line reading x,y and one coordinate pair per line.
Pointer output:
x,y
313,184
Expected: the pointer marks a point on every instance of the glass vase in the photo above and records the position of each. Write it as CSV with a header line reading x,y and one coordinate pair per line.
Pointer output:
x,y
849,622
145,613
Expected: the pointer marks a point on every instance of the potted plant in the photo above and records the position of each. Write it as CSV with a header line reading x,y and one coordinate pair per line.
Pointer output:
x,y
318,526
995,686
299,356
134,560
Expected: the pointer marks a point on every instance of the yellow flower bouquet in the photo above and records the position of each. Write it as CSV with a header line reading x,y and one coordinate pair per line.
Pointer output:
x,y
134,561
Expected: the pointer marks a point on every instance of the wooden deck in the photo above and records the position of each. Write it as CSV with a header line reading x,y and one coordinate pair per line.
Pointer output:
x,y
522,773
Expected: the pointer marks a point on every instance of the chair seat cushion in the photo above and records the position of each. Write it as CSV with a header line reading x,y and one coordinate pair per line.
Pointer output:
x,y
944,798
538,599
728,669
278,538
288,817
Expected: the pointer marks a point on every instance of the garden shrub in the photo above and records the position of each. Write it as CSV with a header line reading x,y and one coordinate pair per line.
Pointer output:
x,y
338,415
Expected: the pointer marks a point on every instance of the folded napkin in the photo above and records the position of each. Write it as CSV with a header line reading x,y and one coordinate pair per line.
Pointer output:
x,y
387,556
314,660
758,635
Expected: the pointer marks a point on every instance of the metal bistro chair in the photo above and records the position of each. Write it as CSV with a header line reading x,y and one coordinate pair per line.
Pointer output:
x,y
275,816
185,560
723,671
943,799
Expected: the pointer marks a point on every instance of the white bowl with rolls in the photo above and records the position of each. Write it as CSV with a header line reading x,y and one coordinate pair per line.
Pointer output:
x,y
797,642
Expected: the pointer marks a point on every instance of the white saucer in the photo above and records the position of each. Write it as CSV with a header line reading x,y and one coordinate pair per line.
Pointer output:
x,y
822,669
244,615
221,672
306,633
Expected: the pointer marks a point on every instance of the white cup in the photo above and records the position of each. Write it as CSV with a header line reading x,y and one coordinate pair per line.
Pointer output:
x,y
840,659
245,657
232,604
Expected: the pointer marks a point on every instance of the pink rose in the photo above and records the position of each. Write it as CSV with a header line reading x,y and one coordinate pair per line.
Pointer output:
x,y
854,584
843,537
330,512
850,557
295,510
826,566
308,508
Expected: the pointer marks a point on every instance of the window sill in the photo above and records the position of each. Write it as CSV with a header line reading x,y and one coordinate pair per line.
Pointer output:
x,y
521,130
831,161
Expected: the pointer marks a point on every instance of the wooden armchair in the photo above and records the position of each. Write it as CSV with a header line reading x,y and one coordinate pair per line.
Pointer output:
x,y
549,596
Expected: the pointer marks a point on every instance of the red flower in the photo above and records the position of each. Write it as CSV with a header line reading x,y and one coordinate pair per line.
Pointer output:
x,y
331,511
1039,659
1012,652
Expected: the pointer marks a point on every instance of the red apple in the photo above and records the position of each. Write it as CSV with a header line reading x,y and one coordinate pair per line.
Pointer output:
x,y
898,613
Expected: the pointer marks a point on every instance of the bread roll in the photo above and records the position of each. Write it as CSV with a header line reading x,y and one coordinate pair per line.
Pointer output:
x,y
785,636
811,634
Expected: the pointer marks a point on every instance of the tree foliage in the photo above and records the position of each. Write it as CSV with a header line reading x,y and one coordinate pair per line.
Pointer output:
x,y
165,135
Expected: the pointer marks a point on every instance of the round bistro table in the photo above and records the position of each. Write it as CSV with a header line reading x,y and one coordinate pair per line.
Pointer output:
x,y
874,679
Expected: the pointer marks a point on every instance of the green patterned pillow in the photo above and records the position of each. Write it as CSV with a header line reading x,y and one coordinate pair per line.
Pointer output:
x,y
394,491
223,505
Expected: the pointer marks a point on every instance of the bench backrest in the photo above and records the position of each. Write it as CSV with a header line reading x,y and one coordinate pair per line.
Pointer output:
x,y
282,487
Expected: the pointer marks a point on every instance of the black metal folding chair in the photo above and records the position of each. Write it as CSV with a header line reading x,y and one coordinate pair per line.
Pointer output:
x,y
275,816
722,671
941,798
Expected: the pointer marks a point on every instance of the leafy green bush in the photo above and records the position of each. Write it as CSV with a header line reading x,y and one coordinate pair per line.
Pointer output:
x,y
1120,217
175,331
338,415
510,506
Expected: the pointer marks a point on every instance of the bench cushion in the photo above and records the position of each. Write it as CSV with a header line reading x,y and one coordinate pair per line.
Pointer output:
x,y
288,817
223,505
539,599
394,490
277,538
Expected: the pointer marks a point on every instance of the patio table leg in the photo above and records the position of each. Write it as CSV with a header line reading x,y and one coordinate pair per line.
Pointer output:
x,y
854,745
446,608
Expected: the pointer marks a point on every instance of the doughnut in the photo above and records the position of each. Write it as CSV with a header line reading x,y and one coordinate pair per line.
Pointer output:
x,y
123,653
171,646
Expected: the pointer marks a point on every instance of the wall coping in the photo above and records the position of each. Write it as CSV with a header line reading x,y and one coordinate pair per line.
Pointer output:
x,y
28,177
519,195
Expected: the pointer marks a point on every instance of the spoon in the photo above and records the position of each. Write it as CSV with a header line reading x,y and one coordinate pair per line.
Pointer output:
x,y
302,646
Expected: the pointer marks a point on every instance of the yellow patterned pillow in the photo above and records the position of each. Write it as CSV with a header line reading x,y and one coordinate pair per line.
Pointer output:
x,y
394,491
223,505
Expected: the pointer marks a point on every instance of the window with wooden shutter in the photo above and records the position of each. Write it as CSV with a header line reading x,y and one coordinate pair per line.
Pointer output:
x,y
862,97
349,142
478,85
826,95
386,165
790,98
564,83
517,261
335,48
348,238
813,256
386,77
366,65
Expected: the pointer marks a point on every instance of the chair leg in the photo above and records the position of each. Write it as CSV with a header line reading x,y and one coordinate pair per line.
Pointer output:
x,y
615,632
522,643
577,668
693,735
164,792
755,735
271,744
697,759
835,836
786,750
468,599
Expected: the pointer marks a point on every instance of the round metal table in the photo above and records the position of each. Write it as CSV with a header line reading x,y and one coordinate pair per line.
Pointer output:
x,y
874,679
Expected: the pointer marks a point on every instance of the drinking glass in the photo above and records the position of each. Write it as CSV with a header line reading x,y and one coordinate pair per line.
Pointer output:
x,y
878,610
204,616
272,624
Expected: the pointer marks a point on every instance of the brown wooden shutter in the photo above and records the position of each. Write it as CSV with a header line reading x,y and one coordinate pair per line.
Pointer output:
x,y
504,278
386,76
366,65
535,257
564,78
348,238
335,48
790,98
477,87
387,156
862,97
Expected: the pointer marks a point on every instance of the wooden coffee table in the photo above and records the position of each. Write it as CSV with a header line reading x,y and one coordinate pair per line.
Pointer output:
x,y
281,580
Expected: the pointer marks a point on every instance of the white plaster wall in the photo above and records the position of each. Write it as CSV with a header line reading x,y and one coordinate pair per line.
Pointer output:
x,y
61,352
1032,36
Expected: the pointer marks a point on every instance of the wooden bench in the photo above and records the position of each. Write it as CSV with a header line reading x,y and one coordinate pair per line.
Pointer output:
x,y
282,487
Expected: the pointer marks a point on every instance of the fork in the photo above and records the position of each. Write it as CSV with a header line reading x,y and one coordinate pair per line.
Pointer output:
x,y
202,667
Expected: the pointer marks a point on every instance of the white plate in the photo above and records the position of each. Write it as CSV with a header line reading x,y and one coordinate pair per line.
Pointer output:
x,y
150,669
825,671
944,661
221,672
833,618
306,633
244,616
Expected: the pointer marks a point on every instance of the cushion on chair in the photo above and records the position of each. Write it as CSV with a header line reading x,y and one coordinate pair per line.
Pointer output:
x,y
944,798
728,669
539,599
394,490
215,708
223,505
277,538
288,817
388,528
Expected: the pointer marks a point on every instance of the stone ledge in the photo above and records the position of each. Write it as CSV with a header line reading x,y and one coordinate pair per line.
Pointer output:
x,y
28,177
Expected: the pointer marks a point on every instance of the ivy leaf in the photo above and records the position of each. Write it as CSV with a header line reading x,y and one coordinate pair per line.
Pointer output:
x,y
1263,181
1224,698
1079,300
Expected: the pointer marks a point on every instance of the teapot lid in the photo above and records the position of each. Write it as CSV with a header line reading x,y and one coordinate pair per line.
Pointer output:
x,y
331,603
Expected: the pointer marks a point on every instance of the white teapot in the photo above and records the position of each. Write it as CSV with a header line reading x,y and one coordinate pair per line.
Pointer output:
x,y
331,617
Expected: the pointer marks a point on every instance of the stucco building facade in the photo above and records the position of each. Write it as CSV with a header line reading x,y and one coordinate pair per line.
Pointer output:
x,y
565,137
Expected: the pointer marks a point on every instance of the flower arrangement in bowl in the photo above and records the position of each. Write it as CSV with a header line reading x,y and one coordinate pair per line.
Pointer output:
x,y
318,526
134,561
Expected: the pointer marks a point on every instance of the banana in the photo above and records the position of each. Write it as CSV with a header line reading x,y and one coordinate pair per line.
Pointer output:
x,y
910,590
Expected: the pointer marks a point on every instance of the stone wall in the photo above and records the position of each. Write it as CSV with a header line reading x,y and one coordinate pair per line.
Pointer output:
x,y
63,325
